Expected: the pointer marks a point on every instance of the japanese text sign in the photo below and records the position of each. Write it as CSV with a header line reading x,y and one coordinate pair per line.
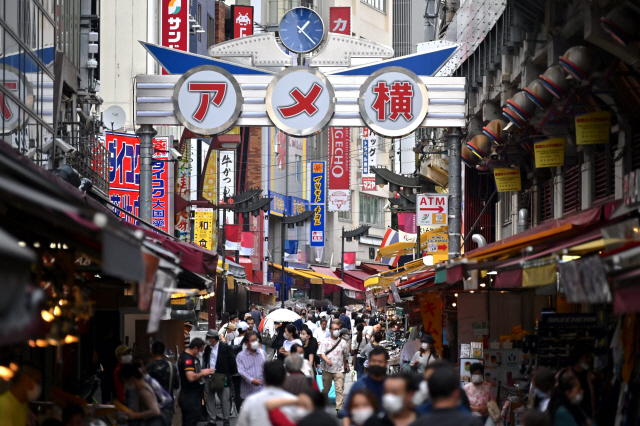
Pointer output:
x,y
507,180
174,25
227,173
203,228
318,179
393,102
298,205
593,128
431,310
279,205
340,20
549,153
242,21
369,159
432,209
317,225
160,183
182,188
339,195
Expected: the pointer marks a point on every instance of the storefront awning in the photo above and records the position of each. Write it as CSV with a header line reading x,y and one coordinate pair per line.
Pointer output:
x,y
232,267
383,280
374,268
328,277
349,275
265,289
299,274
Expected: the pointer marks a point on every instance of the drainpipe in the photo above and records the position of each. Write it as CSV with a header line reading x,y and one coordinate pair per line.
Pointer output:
x,y
479,239
455,191
523,220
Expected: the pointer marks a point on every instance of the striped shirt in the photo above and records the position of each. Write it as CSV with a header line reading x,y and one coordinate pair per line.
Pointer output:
x,y
250,367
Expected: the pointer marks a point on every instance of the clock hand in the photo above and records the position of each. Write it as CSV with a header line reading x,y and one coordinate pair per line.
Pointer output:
x,y
300,30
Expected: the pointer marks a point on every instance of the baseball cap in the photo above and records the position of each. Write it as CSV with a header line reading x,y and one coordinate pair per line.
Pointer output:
x,y
121,350
242,325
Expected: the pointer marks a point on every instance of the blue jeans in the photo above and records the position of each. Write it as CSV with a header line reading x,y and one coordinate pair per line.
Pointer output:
x,y
359,366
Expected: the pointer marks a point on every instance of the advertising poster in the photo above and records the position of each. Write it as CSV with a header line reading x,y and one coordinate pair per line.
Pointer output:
x,y
339,195
549,153
242,21
369,159
174,25
317,225
203,228
507,180
317,205
593,128
431,310
182,188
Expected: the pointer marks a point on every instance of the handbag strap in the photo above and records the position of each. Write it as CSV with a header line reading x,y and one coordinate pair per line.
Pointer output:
x,y
336,345
170,376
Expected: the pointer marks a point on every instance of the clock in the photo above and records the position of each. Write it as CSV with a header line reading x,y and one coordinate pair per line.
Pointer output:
x,y
301,30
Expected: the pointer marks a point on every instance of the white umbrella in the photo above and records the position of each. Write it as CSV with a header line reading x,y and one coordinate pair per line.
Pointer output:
x,y
283,315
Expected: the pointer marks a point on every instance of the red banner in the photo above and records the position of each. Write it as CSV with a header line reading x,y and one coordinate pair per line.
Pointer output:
x,y
174,25
242,21
339,193
340,20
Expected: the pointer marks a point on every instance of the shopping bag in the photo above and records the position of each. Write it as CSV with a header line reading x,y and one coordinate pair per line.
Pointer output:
x,y
332,391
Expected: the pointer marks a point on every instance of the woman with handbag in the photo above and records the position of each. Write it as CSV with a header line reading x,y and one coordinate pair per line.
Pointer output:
x,y
145,410
426,355
357,346
310,346
290,338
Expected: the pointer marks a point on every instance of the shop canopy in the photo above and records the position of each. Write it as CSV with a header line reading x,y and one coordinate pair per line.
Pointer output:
x,y
299,273
265,289
383,280
405,248
374,268
353,279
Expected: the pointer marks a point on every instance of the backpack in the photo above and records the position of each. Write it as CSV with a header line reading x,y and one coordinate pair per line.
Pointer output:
x,y
165,401
236,349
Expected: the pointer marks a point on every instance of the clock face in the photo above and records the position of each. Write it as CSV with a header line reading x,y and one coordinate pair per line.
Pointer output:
x,y
301,30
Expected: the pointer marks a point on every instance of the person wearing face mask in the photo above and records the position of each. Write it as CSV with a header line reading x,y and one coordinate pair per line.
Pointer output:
x,y
422,398
290,338
542,383
426,355
310,346
322,332
26,386
361,405
308,407
145,406
334,352
479,391
254,411
250,363
565,405
311,325
373,381
190,397
123,355
397,402
358,343
375,341
220,359
306,369
581,358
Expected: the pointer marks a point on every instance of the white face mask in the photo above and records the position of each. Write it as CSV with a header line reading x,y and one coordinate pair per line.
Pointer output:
x,y
34,392
361,415
335,333
126,359
391,403
422,394
287,335
577,399
424,346
476,378
255,345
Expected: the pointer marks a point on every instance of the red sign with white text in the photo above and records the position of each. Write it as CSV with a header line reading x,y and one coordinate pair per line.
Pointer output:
x,y
340,20
339,192
174,25
242,21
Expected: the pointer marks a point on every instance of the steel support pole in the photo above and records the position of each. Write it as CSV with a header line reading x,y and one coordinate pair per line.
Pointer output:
x,y
455,191
342,270
146,132
283,285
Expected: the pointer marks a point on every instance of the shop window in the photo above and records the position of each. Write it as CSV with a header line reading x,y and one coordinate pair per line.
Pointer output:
x,y
572,190
371,210
298,168
379,5
211,34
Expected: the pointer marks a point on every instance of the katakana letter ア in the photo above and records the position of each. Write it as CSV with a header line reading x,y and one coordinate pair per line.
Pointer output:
x,y
401,97
382,97
206,89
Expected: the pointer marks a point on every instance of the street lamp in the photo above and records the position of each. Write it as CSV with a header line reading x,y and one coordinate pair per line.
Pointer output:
x,y
362,230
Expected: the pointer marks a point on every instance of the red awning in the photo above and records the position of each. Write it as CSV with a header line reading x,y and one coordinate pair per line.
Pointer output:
x,y
266,289
509,279
331,288
374,268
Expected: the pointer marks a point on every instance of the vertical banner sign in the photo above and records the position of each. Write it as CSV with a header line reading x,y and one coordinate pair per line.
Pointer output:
x,y
203,228
340,20
339,196
182,188
507,180
431,310
174,25
124,178
593,128
242,21
549,153
318,198
227,174
210,189
369,159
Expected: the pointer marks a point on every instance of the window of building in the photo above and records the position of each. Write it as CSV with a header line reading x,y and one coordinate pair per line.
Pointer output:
x,y
211,31
298,168
371,210
505,207
199,20
380,5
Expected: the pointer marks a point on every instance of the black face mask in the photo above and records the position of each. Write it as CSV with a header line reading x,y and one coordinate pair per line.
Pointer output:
x,y
377,370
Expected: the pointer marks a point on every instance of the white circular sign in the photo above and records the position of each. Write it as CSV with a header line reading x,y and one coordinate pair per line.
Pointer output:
x,y
393,102
207,100
300,101
11,118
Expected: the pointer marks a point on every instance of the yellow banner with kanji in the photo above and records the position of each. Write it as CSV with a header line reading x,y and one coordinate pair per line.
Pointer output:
x,y
507,180
204,222
431,310
549,153
593,128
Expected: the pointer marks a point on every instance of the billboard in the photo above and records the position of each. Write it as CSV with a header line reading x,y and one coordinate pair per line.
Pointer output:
x,y
174,25
340,20
318,179
124,178
339,196
369,159
242,21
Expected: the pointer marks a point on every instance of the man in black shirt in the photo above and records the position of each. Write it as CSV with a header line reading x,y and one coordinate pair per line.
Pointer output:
x,y
190,398
165,373
444,389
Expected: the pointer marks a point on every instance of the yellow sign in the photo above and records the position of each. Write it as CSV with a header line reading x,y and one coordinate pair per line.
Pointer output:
x,y
437,244
431,310
549,153
203,228
507,180
593,128
267,299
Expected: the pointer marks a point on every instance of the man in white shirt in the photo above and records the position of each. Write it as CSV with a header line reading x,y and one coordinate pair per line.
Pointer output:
x,y
242,330
322,332
312,325
254,412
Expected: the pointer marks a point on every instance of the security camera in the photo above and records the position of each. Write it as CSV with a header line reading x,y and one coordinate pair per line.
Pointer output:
x,y
60,144
175,154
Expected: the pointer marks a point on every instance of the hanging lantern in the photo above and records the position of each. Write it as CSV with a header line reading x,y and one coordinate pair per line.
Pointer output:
x,y
468,158
522,106
537,93
622,24
493,131
555,82
480,146
577,62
